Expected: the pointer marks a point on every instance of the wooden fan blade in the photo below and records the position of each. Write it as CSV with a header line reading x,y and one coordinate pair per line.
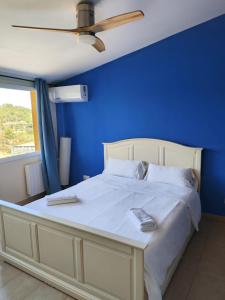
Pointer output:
x,y
48,29
115,21
99,45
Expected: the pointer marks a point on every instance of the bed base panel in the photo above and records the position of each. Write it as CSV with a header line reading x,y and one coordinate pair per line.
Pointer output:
x,y
82,264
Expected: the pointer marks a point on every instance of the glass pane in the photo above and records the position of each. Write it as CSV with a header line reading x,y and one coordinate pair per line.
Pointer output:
x,y
16,126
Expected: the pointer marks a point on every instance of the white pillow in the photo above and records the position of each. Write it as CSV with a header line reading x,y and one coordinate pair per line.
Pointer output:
x,y
172,175
125,168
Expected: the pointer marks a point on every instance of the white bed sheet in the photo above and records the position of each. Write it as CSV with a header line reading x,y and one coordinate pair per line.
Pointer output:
x,y
104,204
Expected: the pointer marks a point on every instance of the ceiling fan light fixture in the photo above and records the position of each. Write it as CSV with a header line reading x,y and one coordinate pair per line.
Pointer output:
x,y
87,38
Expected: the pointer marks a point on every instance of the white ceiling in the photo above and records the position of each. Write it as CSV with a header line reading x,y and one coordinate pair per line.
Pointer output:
x,y
56,56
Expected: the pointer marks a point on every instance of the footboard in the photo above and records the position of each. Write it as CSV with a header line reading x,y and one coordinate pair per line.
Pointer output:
x,y
82,262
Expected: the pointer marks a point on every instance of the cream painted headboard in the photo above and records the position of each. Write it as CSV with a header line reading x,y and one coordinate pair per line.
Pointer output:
x,y
156,151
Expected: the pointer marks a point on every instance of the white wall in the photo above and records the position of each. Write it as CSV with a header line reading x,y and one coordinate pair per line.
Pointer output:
x,y
12,177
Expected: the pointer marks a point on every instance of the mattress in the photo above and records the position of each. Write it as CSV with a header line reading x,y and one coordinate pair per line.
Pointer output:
x,y
104,204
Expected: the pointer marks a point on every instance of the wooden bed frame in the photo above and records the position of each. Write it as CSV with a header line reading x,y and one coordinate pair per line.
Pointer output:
x,y
87,263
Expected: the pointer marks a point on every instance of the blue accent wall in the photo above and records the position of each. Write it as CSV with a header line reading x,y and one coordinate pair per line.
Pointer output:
x,y
172,90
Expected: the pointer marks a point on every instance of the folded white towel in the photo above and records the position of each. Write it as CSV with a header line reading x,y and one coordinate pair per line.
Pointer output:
x,y
142,219
55,200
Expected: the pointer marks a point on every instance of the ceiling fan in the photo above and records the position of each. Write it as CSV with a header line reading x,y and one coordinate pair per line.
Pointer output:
x,y
87,28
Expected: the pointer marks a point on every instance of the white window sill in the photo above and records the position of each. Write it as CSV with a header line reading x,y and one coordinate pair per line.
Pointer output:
x,y
19,157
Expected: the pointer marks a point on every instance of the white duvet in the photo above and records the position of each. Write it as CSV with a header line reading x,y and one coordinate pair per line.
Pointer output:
x,y
104,204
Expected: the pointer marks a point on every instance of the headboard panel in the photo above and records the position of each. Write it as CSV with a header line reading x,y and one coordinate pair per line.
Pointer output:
x,y
156,151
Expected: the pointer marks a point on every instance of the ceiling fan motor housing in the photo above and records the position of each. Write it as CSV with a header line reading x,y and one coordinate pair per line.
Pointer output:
x,y
85,14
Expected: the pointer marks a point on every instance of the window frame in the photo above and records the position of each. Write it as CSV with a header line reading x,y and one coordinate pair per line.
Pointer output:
x,y
25,85
16,157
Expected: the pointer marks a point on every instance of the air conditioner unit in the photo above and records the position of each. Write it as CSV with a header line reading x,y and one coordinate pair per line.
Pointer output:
x,y
70,93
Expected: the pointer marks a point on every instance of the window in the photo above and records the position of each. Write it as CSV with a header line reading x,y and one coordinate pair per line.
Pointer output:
x,y
18,122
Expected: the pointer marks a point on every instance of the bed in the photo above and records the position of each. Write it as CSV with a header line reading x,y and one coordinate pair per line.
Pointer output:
x,y
90,250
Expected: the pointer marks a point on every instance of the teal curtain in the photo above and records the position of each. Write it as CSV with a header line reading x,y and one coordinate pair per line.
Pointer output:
x,y
47,139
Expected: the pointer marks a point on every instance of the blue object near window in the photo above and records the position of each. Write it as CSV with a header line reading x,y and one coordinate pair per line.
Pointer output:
x,y
47,139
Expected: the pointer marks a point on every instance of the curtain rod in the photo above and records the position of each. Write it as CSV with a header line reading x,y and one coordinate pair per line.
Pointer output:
x,y
12,77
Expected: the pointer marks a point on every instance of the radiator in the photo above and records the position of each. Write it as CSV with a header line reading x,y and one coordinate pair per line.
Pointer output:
x,y
34,179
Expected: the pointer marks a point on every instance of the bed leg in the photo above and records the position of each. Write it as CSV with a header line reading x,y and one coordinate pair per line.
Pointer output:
x,y
139,293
